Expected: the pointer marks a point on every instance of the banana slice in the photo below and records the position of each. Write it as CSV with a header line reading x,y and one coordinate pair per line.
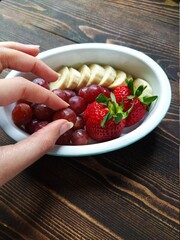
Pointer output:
x,y
85,76
119,80
109,76
74,78
62,81
97,73
147,91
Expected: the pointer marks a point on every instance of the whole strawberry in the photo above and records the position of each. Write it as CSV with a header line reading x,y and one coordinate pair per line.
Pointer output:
x,y
121,93
131,98
105,119
91,109
137,113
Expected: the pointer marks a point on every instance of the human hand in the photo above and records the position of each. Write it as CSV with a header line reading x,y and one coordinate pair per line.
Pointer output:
x,y
15,158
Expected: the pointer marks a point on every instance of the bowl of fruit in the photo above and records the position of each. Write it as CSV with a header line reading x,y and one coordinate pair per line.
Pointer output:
x,y
115,95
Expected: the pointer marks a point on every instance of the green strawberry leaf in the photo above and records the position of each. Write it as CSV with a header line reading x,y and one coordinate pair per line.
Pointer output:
x,y
139,90
130,97
106,118
113,98
115,110
130,85
118,118
147,100
129,79
120,108
101,98
126,114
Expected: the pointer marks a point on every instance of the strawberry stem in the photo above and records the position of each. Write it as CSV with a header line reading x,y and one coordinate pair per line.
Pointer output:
x,y
115,110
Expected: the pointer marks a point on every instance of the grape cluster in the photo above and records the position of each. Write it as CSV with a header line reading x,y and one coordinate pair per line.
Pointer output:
x,y
31,117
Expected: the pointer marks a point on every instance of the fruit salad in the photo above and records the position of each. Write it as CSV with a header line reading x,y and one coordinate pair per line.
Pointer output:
x,y
103,101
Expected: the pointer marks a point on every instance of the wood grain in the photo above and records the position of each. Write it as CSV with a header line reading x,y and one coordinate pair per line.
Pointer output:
x,y
131,193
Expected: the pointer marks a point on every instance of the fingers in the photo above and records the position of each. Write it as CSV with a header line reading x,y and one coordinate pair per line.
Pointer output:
x,y
15,158
20,61
12,90
26,48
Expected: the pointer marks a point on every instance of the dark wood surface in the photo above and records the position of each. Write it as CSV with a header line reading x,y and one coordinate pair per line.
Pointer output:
x,y
130,193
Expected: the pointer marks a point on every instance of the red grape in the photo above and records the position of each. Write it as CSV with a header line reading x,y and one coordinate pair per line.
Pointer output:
x,y
42,112
22,114
79,137
106,92
78,104
30,126
41,82
40,125
65,138
83,92
92,92
31,117
67,114
69,93
61,93
79,122
24,101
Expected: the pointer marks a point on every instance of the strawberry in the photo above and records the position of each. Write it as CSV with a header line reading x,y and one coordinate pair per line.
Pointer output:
x,y
137,113
132,99
121,93
105,119
92,107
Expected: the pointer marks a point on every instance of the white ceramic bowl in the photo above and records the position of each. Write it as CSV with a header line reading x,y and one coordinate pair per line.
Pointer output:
x,y
127,59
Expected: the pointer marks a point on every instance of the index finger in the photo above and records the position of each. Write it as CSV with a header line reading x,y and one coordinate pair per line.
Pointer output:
x,y
13,59
17,88
26,48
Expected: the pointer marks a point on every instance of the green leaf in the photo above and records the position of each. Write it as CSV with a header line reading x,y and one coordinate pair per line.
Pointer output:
x,y
130,97
129,79
147,100
120,108
113,98
118,118
106,118
101,98
130,85
125,114
139,90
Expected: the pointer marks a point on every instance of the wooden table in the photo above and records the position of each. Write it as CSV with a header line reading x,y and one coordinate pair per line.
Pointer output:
x,y
131,193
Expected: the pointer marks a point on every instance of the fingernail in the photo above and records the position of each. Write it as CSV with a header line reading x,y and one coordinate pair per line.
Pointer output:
x,y
65,127
32,46
70,125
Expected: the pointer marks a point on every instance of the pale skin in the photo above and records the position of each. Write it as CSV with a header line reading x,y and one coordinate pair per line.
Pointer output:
x,y
16,157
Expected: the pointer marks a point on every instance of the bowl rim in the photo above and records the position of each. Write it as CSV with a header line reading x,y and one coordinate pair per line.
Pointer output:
x,y
155,117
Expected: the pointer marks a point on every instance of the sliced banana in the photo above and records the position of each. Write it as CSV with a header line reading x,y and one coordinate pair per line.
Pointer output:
x,y
147,91
97,73
62,81
74,78
109,76
85,73
119,80
106,76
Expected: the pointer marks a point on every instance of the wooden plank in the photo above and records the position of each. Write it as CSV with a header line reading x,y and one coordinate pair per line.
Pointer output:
x,y
131,193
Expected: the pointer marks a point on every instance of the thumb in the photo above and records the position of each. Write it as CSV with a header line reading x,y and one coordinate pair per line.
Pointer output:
x,y
15,158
